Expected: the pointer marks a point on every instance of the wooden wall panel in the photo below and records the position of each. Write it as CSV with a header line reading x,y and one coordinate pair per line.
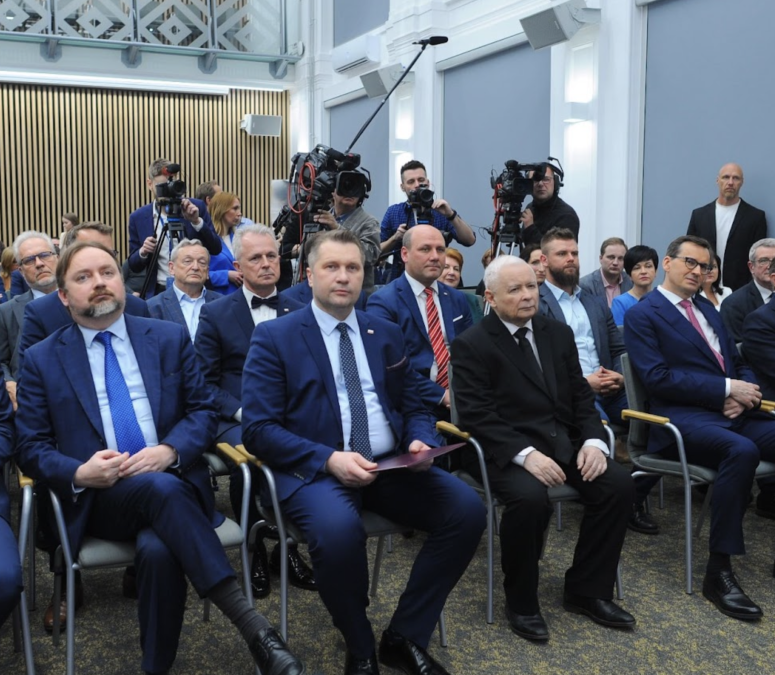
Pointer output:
x,y
87,151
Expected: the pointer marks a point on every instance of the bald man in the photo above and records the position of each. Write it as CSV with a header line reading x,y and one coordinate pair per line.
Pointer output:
x,y
731,225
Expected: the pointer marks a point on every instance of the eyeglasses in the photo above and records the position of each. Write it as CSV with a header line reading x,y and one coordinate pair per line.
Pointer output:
x,y
762,261
29,261
691,263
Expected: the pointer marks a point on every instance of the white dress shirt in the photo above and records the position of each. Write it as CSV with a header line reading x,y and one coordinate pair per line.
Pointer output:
x,y
191,308
418,290
262,313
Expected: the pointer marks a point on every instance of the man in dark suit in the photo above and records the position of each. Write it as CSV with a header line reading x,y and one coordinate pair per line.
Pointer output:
x,y
610,280
326,391
694,375
759,343
145,226
755,293
519,389
222,343
730,225
114,415
183,301
11,583
430,314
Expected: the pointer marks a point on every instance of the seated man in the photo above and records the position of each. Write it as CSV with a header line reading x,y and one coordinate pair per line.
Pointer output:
x,y
694,375
11,584
326,391
430,314
222,344
183,301
759,343
519,389
125,460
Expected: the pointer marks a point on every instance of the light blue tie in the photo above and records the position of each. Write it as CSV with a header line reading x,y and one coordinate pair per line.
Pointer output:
x,y
359,420
129,436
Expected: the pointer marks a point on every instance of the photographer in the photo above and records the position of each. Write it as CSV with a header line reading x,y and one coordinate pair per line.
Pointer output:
x,y
146,223
399,217
548,210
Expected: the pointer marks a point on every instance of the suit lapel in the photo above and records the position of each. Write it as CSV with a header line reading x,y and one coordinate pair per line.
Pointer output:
x,y
147,352
311,335
447,311
593,311
551,307
408,298
71,352
673,317
173,306
242,314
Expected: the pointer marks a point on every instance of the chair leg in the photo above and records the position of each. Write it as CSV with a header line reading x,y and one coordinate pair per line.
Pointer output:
x,y
442,629
378,564
389,543
688,534
491,526
16,629
26,636
70,627
206,610
558,508
619,589
662,493
704,511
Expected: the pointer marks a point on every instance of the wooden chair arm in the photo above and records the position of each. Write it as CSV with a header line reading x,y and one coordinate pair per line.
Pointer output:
x,y
644,417
451,430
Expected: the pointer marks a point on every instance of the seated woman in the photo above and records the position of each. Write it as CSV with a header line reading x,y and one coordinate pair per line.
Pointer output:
x,y
531,254
640,262
711,288
226,214
451,275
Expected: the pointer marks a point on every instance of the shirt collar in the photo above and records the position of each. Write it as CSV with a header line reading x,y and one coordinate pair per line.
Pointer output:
x,y
674,298
182,295
118,328
249,295
328,323
605,281
513,328
38,294
764,292
419,289
558,293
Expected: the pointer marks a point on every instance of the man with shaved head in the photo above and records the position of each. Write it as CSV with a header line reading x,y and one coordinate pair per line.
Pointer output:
x,y
731,226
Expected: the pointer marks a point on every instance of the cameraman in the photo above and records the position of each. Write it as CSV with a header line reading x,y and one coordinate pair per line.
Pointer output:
x,y
145,225
399,217
548,209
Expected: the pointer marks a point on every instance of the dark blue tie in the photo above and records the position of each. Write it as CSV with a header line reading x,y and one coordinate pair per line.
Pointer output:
x,y
129,436
359,420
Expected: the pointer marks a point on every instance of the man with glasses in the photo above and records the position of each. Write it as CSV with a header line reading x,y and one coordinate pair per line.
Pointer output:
x,y
183,301
755,293
694,375
730,225
549,211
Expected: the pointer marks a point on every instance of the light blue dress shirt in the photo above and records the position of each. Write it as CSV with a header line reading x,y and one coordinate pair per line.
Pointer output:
x,y
191,307
577,318
380,434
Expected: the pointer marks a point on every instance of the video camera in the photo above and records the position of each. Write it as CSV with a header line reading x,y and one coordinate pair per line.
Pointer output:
x,y
421,199
170,195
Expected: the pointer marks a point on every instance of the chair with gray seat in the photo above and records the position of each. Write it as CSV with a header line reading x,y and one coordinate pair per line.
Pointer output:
x,y
21,620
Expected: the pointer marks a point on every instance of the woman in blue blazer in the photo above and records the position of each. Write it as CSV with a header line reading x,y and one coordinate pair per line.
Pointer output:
x,y
226,214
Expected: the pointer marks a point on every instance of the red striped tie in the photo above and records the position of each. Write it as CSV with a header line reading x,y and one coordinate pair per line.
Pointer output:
x,y
440,352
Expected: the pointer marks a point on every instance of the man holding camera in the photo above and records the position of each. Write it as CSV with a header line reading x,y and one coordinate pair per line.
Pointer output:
x,y
548,209
399,217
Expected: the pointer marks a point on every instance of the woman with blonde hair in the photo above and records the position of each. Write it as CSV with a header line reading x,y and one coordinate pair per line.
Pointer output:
x,y
226,213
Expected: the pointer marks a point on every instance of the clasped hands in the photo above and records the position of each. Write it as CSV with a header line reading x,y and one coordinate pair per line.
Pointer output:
x,y
742,396
105,467
604,381
353,470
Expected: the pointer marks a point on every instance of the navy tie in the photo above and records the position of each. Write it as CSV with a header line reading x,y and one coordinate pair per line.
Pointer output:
x,y
129,436
359,420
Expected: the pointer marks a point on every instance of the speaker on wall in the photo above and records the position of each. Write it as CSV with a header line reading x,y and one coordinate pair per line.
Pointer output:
x,y
262,125
558,24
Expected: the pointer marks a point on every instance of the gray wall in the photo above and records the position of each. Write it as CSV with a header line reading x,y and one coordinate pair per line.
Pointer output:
x,y
356,17
495,109
373,146
709,100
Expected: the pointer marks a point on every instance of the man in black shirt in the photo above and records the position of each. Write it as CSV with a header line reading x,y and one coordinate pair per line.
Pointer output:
x,y
549,210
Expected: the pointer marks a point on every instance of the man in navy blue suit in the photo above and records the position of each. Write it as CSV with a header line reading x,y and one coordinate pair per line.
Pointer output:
x,y
145,225
326,391
222,343
114,416
694,375
759,342
10,566
411,301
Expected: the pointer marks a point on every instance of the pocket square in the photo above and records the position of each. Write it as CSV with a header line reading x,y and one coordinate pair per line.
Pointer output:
x,y
400,364
457,318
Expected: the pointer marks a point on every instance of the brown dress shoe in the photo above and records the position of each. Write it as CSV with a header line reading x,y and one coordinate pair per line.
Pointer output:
x,y
48,617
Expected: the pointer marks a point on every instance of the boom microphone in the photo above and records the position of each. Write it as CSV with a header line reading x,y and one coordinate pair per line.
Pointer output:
x,y
433,40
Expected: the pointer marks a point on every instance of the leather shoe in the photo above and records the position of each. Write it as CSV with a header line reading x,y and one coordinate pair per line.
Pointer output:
x,y
259,572
723,590
528,626
765,505
272,655
353,666
642,522
395,651
299,573
48,617
604,612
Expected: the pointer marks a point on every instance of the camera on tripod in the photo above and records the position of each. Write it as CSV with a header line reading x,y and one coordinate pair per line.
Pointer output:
x,y
169,195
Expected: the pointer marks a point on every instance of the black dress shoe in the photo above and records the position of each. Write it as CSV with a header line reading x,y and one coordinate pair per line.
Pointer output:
x,y
395,651
723,590
765,506
353,666
528,626
642,522
604,612
259,572
48,615
299,573
272,655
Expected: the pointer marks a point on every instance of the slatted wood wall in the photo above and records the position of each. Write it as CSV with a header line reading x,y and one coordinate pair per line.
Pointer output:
x,y
87,151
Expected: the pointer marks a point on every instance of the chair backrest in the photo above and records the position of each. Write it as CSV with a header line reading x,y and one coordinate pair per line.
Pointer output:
x,y
637,399
452,407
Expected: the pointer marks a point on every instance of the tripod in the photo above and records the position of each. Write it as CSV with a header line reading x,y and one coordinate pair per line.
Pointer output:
x,y
172,228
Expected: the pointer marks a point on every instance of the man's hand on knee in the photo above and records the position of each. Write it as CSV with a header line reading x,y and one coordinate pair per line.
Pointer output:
x,y
591,462
351,469
101,470
148,460
544,469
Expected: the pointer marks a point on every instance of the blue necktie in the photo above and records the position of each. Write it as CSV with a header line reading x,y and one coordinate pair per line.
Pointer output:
x,y
129,436
359,420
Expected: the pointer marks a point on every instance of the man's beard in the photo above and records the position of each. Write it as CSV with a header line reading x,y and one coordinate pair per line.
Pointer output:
x,y
566,277
44,286
102,309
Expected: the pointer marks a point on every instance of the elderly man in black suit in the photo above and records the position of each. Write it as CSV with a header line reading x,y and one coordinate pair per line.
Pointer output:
x,y
518,360
731,226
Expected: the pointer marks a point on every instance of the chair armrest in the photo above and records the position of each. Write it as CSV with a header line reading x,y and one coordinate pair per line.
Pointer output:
x,y
230,452
768,406
451,430
24,481
255,461
644,417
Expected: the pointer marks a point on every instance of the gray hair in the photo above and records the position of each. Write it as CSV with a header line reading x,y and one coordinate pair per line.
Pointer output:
x,y
769,242
253,228
493,271
27,235
185,243
157,167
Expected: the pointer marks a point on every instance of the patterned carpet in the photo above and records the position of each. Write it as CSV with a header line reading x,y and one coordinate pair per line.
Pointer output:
x,y
676,633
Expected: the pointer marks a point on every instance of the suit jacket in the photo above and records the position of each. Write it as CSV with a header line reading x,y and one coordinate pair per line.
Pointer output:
x,y
592,284
608,339
759,347
11,319
738,306
18,284
222,344
291,417
749,225
58,420
682,377
397,303
498,401
302,293
7,448
47,315
220,266
166,307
